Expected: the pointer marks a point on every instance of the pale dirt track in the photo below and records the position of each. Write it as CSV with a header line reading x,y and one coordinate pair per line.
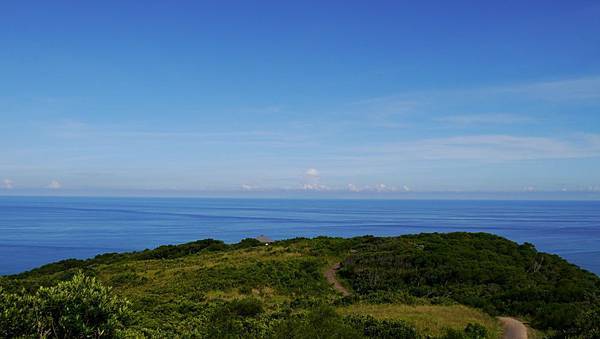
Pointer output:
x,y
513,329
330,276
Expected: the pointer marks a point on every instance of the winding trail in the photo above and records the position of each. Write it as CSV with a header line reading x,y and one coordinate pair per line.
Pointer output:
x,y
513,329
331,278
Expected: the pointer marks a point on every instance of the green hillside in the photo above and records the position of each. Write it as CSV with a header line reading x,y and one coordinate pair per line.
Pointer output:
x,y
426,285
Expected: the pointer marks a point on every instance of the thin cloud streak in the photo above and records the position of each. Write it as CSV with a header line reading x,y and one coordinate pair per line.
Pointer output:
x,y
442,104
79,130
485,119
489,148
583,88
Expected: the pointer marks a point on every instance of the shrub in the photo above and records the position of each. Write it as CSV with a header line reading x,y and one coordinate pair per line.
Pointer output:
x,y
79,308
248,243
178,251
16,317
373,328
235,319
476,331
587,325
319,323
249,307
472,331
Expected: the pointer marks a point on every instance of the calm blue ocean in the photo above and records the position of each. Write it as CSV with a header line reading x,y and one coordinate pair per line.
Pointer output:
x,y
39,230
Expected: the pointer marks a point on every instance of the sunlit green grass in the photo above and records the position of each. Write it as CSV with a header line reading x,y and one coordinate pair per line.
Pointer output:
x,y
428,319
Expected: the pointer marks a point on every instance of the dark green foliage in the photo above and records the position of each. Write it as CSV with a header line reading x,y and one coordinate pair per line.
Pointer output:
x,y
373,328
127,278
79,308
248,243
479,270
237,319
245,307
178,251
472,331
587,326
16,315
476,331
319,323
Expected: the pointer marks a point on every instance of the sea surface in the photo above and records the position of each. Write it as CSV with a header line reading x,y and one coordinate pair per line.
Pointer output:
x,y
39,230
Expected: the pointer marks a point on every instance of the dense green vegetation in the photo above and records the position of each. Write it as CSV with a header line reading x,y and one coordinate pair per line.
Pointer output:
x,y
211,289
80,307
480,270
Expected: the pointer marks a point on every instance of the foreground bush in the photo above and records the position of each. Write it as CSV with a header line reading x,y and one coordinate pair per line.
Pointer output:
x,y
16,315
79,308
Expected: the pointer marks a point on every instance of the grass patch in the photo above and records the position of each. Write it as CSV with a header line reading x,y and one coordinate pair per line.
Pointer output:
x,y
428,319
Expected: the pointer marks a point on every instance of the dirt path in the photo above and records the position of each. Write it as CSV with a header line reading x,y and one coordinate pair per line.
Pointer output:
x,y
513,329
331,278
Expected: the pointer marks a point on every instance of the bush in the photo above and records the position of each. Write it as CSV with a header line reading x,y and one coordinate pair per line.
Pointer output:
x,y
587,325
79,308
373,328
472,331
16,317
475,331
248,243
246,307
178,251
235,319
319,323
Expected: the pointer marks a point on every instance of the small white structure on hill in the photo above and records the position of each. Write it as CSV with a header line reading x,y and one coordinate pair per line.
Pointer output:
x,y
264,239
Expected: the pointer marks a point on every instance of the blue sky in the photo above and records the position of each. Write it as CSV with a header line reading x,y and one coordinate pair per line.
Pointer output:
x,y
351,97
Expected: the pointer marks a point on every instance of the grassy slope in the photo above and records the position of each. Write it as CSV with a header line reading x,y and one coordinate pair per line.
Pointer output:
x,y
171,285
428,319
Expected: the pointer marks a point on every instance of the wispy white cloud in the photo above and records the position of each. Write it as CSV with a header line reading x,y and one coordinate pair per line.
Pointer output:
x,y
70,129
312,176
312,173
383,188
489,148
484,119
315,187
584,88
7,184
445,105
54,184
379,188
353,188
248,187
